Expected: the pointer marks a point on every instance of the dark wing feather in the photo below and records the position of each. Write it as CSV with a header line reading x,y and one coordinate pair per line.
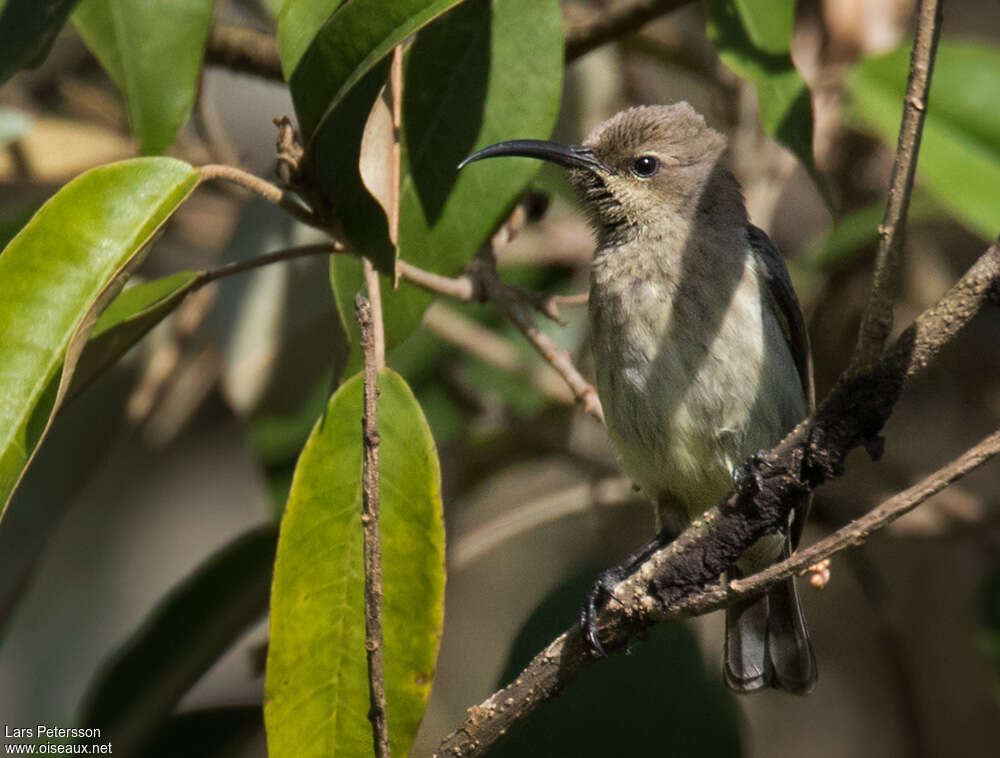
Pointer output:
x,y
794,327
792,323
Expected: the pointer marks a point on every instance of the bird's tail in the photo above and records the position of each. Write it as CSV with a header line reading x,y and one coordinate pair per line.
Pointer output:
x,y
767,644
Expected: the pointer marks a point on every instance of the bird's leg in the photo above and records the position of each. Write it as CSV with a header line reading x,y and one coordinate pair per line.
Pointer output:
x,y
603,590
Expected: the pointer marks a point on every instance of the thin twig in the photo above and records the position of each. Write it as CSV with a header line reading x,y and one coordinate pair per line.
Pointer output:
x,y
859,530
285,254
462,287
512,307
877,321
618,20
245,50
377,714
374,287
262,188
672,580
494,349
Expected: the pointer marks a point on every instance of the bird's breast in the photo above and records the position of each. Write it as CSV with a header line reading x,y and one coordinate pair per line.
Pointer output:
x,y
683,368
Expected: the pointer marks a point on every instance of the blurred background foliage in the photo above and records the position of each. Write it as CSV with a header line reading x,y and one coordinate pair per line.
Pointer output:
x,y
130,590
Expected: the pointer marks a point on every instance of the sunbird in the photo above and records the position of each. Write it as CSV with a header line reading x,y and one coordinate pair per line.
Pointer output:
x,y
701,352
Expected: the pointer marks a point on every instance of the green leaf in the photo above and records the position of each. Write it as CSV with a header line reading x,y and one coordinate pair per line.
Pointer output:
x,y
317,683
127,320
153,50
483,73
753,38
57,274
184,636
299,21
666,701
27,30
352,40
959,162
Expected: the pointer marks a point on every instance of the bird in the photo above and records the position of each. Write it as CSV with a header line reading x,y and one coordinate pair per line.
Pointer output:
x,y
701,353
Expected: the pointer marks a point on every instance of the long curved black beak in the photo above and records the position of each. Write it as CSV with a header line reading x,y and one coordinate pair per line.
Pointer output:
x,y
568,156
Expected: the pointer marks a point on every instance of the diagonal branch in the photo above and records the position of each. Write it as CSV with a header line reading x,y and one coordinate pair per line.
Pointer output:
x,y
877,321
672,580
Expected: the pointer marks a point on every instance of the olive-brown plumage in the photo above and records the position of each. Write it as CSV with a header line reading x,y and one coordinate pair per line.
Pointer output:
x,y
701,353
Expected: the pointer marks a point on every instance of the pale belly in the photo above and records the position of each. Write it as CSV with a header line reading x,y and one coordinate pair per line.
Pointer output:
x,y
688,400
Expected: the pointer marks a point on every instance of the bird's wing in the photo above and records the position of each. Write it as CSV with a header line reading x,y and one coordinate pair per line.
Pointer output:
x,y
794,327
789,312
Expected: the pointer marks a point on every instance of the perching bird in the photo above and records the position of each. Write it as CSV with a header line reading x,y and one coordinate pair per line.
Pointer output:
x,y
701,352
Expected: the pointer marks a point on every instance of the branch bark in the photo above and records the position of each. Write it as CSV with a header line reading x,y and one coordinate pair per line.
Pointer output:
x,y
262,188
377,713
877,321
618,20
244,50
514,311
672,580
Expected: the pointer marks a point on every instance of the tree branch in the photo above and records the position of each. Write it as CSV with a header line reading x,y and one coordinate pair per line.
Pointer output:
x,y
248,51
514,311
671,581
370,520
876,323
262,188
618,20
245,50
285,254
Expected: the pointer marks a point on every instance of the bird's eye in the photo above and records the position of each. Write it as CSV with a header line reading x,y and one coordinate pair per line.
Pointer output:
x,y
645,166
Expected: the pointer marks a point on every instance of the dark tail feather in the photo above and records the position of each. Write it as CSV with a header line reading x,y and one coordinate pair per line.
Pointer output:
x,y
767,644
745,663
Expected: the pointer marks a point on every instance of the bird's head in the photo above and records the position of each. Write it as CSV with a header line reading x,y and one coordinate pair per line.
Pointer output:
x,y
636,170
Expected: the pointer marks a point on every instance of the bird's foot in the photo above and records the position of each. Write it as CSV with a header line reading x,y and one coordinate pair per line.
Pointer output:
x,y
751,470
603,591
599,596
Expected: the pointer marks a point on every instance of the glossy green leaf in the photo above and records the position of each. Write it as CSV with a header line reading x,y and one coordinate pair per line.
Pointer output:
x,y
153,50
350,43
483,73
57,274
665,700
299,21
27,30
184,636
753,38
127,320
317,683
959,162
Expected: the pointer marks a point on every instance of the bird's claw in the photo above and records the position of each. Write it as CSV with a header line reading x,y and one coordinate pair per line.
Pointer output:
x,y
600,594
751,470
